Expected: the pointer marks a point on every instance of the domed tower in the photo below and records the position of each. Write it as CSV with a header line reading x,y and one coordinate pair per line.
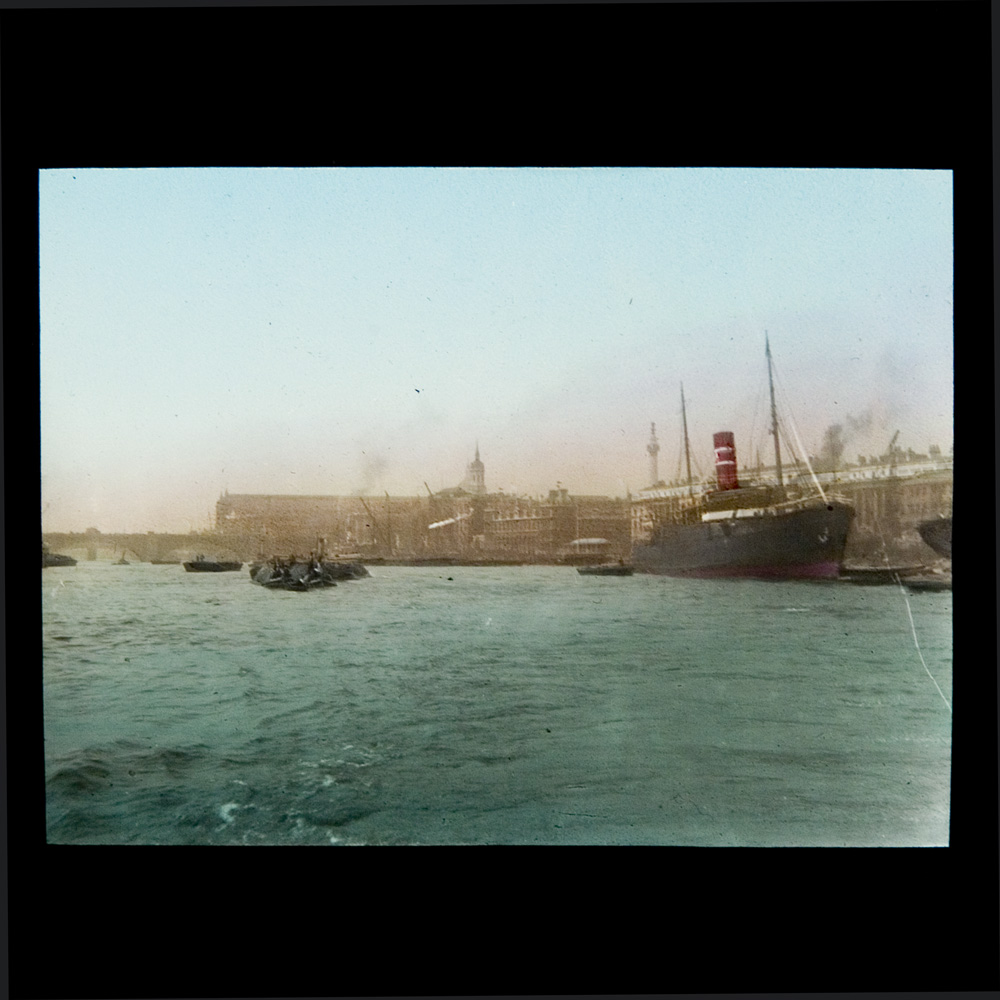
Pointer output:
x,y
475,475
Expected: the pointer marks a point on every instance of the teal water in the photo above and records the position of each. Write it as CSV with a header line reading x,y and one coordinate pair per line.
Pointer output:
x,y
473,705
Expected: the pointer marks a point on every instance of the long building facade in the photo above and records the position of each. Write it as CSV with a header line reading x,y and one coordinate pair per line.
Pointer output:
x,y
469,523
466,522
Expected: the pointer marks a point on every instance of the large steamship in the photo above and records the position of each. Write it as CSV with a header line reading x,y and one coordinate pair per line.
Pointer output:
x,y
760,531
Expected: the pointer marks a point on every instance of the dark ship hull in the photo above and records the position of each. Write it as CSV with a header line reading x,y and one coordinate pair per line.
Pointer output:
x,y
806,543
54,559
937,534
612,569
205,566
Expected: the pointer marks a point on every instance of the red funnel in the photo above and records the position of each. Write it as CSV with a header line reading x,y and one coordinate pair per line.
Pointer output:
x,y
725,460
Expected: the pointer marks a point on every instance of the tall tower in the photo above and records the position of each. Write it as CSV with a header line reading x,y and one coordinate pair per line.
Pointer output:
x,y
653,448
475,475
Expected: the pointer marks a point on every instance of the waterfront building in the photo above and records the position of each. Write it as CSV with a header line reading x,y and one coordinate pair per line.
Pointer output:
x,y
461,522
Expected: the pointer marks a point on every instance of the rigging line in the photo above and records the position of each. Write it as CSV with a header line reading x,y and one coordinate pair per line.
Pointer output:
x,y
795,431
913,627
680,455
753,425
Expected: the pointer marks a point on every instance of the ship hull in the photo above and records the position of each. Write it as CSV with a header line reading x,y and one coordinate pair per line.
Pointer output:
x,y
797,544
937,534
212,567
52,559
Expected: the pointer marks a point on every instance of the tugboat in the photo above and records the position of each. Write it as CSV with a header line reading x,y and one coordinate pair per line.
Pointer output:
x,y
202,565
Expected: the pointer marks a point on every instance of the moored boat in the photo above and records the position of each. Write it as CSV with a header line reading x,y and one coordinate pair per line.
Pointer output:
x,y
802,541
760,531
871,576
202,565
937,534
50,559
606,569
929,583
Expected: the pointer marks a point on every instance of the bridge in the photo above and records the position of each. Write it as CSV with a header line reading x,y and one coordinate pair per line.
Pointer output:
x,y
142,546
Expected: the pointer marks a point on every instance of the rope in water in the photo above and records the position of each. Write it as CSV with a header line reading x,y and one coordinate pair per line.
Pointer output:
x,y
913,627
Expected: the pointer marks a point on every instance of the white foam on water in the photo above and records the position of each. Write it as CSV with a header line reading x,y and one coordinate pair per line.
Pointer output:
x,y
226,811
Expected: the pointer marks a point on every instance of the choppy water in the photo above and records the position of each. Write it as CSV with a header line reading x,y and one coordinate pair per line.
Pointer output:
x,y
467,705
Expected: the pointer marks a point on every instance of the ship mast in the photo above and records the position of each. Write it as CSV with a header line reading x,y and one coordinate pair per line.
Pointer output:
x,y
687,447
774,411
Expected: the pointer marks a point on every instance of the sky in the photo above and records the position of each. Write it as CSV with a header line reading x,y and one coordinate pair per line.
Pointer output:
x,y
359,331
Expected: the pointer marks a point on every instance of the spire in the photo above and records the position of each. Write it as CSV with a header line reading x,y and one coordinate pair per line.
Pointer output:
x,y
475,475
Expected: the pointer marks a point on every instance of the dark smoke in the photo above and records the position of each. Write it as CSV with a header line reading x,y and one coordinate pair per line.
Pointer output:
x,y
855,431
860,425
832,449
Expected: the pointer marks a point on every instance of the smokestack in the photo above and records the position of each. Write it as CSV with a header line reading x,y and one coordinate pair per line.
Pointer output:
x,y
725,460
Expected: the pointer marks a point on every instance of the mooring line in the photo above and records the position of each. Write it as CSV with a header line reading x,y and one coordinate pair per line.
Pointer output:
x,y
913,629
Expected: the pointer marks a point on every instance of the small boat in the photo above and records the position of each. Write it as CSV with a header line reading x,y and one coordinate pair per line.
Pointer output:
x,y
202,565
304,574
872,576
278,574
54,559
930,583
606,569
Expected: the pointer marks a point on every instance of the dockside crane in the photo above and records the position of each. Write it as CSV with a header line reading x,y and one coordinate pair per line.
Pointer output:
x,y
378,527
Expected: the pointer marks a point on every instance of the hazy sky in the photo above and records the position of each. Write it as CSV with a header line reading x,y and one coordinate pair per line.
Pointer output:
x,y
358,330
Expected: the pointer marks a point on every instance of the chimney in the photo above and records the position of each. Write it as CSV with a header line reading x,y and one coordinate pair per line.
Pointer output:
x,y
725,460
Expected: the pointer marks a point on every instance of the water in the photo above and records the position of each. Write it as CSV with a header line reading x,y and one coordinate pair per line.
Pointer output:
x,y
468,705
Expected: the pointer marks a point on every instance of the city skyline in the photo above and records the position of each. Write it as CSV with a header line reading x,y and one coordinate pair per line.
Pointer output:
x,y
345,331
